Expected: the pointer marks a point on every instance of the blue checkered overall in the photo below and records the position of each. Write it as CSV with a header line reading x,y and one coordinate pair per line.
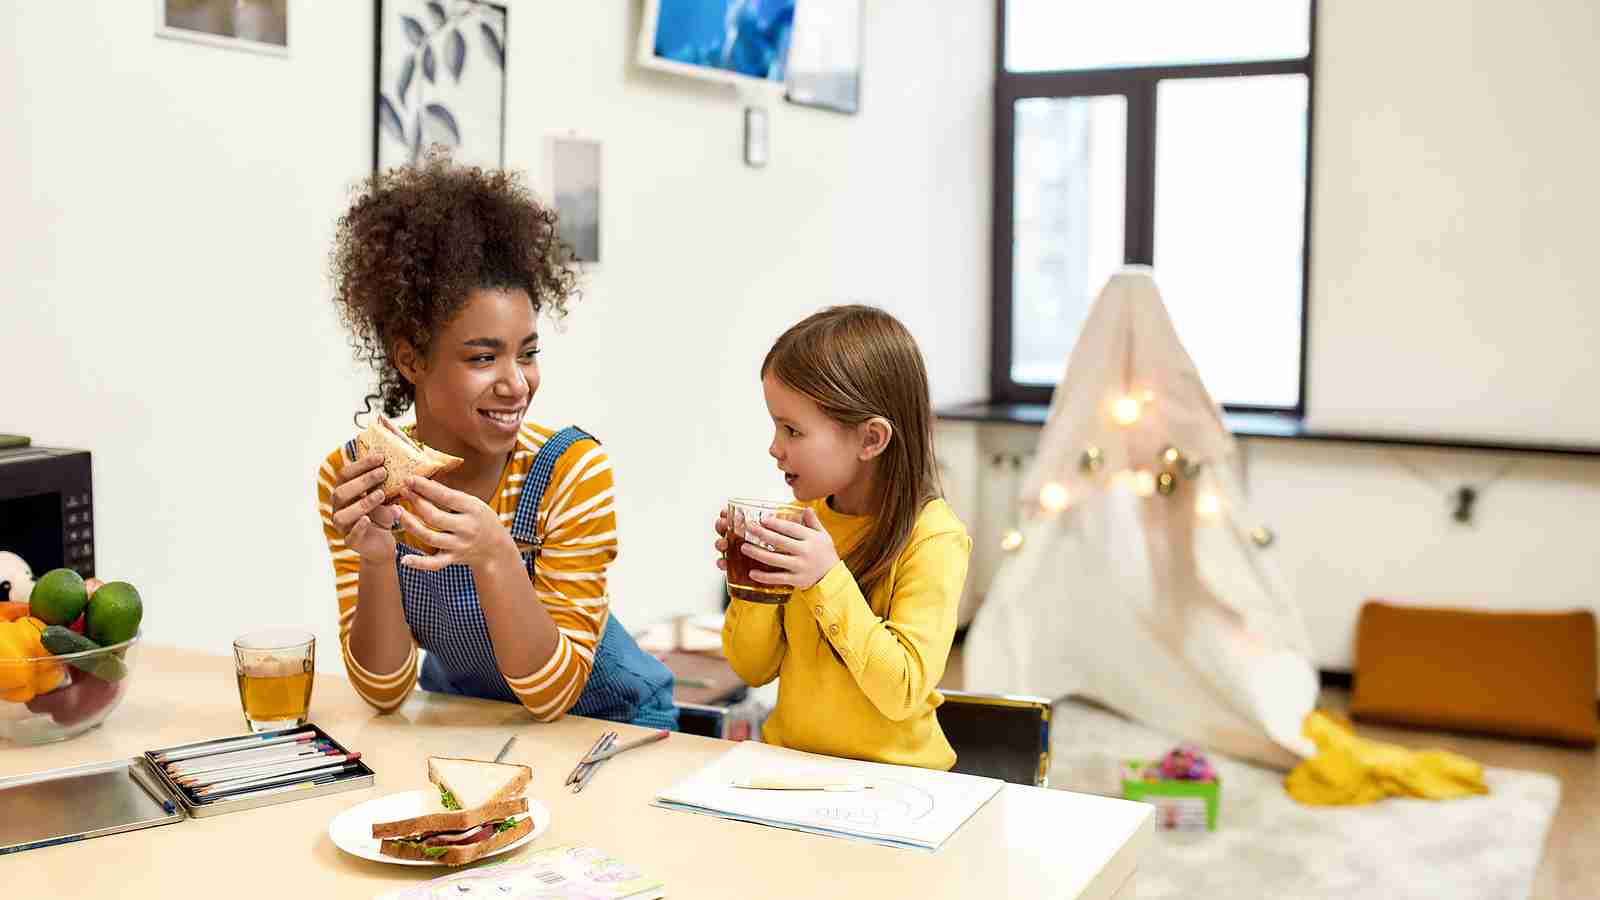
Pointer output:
x,y
625,683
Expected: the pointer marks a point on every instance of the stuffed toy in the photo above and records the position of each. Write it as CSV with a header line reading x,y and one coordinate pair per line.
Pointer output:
x,y
16,578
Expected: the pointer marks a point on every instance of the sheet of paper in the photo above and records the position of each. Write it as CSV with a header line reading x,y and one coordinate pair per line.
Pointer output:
x,y
905,806
554,873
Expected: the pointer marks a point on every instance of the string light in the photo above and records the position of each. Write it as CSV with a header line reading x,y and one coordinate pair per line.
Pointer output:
x,y
1144,483
1092,459
1171,455
1207,505
1263,536
1125,410
1011,541
1053,497
1165,484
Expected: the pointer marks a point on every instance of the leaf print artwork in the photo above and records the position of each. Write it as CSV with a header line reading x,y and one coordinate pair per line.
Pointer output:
x,y
492,44
455,54
430,91
414,32
446,121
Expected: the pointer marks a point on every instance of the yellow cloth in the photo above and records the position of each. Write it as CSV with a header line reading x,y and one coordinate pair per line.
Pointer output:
x,y
857,675
1348,770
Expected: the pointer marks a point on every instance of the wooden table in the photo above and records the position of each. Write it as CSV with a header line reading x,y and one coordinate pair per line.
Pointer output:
x,y
1026,842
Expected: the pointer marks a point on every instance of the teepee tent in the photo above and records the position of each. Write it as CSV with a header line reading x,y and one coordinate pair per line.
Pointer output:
x,y
1142,579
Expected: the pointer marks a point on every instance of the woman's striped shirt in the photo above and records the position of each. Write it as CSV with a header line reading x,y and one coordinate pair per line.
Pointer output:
x,y
578,529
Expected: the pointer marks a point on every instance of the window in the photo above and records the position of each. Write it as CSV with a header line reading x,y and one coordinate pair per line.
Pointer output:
x,y
1172,133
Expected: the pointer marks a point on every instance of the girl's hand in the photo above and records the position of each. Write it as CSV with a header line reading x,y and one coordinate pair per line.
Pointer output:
x,y
722,539
359,513
462,527
805,550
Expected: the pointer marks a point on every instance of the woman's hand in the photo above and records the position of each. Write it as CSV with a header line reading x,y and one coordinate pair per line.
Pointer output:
x,y
359,513
462,527
722,539
805,550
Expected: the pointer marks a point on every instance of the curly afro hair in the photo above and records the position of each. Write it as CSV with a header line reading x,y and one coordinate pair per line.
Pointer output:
x,y
417,240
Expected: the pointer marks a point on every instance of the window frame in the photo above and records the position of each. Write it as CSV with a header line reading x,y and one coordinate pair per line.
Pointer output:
x,y
1138,84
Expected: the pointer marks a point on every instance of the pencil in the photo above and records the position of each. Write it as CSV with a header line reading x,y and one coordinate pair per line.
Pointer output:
x,y
292,764
577,770
638,742
590,767
221,746
274,788
268,780
253,758
316,765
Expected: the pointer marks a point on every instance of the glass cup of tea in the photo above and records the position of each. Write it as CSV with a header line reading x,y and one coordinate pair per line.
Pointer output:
x,y
275,668
741,515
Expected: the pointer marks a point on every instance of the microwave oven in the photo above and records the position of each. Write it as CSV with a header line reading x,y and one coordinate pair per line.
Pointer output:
x,y
47,508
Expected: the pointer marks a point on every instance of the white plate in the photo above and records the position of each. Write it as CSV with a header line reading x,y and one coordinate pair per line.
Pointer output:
x,y
351,830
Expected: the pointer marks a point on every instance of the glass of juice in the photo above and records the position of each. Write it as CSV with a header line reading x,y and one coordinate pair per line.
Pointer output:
x,y
275,667
741,515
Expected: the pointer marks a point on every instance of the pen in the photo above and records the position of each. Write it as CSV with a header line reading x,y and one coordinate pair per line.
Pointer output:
x,y
506,749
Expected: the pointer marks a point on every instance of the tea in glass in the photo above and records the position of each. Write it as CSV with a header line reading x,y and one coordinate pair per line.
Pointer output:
x,y
741,515
275,668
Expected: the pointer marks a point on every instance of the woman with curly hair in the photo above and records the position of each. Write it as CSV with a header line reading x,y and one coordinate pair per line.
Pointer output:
x,y
440,272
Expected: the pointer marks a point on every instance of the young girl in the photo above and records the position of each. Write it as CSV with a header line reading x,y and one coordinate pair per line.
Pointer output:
x,y
878,564
440,272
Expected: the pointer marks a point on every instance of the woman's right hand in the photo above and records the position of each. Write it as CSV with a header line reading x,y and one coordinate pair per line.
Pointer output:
x,y
722,539
359,514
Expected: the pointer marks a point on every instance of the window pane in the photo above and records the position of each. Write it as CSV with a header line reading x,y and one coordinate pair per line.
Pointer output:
x,y
1067,214
1043,35
1230,229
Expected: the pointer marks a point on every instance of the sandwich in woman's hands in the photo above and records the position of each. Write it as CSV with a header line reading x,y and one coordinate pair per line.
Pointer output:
x,y
481,809
403,456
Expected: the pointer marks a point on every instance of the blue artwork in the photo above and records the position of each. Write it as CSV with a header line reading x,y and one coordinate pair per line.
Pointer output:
x,y
748,37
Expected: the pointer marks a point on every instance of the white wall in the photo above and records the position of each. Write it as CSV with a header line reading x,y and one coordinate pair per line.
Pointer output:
x,y
166,227
1393,211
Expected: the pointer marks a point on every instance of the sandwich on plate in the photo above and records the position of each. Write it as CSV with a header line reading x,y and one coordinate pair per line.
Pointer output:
x,y
403,455
481,809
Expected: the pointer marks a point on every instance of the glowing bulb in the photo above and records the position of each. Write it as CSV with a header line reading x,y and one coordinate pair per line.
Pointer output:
x,y
1171,455
1144,483
1125,410
1011,541
1207,505
1053,497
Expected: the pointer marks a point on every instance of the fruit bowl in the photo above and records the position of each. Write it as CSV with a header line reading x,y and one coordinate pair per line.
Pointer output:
x,y
82,689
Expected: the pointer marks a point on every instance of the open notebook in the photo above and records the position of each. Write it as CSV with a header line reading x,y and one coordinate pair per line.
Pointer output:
x,y
904,807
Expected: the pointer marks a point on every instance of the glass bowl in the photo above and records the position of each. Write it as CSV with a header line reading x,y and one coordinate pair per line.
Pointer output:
x,y
87,686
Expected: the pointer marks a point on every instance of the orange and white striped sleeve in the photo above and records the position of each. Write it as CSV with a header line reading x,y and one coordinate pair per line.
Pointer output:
x,y
384,692
578,526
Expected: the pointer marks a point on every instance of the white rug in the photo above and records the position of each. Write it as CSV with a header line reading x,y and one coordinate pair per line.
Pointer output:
x,y
1267,845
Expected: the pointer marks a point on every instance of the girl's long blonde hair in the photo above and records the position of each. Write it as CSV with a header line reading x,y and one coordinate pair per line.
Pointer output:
x,y
857,362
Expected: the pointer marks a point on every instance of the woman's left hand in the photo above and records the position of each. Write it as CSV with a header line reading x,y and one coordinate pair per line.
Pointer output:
x,y
462,527
805,550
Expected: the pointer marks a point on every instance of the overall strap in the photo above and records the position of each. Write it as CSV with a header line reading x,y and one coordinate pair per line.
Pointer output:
x,y
525,523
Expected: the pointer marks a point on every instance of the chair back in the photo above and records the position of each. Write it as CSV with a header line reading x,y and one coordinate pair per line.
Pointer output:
x,y
998,735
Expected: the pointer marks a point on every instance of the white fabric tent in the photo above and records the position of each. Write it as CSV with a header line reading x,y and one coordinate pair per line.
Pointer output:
x,y
1151,590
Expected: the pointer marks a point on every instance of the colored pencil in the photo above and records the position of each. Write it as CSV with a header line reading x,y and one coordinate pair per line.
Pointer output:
x,y
220,746
577,770
293,782
278,778
263,768
253,758
624,748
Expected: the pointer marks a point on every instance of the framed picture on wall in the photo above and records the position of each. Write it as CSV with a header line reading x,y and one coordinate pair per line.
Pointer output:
x,y
573,174
260,26
440,79
825,55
